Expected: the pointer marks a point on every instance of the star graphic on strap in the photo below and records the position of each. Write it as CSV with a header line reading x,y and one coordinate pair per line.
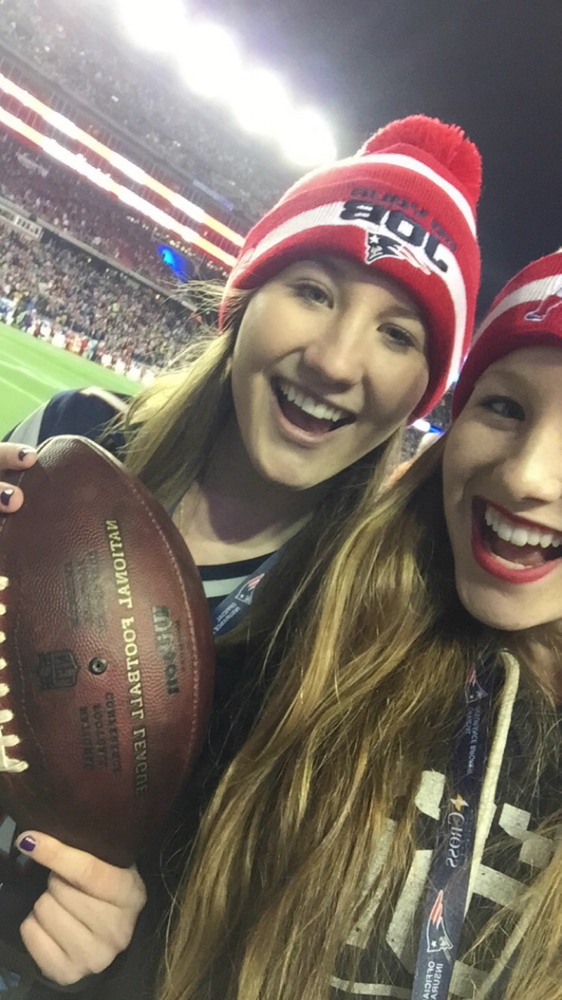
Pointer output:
x,y
459,803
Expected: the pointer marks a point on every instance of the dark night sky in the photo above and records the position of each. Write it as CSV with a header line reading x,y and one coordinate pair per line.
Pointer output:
x,y
492,66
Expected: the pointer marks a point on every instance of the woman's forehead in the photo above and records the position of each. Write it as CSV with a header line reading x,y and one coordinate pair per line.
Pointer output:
x,y
528,363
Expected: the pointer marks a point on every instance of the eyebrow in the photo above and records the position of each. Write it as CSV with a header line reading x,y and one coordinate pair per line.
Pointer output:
x,y
403,312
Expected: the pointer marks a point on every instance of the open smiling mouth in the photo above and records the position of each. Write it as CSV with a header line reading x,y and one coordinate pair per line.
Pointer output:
x,y
307,413
512,550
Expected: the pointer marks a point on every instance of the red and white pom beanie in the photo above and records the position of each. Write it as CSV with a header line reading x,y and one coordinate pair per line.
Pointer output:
x,y
526,313
405,204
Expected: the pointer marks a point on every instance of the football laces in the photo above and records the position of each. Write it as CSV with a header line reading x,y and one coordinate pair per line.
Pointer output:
x,y
7,740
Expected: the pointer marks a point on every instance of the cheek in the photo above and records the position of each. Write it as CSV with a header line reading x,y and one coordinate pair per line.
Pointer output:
x,y
396,389
462,458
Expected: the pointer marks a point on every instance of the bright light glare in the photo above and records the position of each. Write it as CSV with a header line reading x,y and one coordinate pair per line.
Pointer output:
x,y
307,140
154,25
61,123
260,102
210,61
126,167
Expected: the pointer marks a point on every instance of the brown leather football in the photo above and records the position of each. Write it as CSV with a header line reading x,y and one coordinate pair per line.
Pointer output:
x,y
106,654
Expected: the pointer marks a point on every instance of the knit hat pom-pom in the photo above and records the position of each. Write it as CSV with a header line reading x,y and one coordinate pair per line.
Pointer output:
x,y
446,143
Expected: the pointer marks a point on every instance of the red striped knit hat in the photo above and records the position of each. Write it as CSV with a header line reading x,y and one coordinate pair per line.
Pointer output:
x,y
405,204
526,313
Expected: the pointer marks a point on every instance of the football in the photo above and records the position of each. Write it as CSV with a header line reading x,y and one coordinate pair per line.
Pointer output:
x,y
106,654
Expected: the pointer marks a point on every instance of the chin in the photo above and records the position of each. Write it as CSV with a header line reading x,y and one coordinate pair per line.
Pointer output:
x,y
498,614
286,476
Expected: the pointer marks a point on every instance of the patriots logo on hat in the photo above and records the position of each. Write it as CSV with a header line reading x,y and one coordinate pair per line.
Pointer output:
x,y
551,302
436,934
385,246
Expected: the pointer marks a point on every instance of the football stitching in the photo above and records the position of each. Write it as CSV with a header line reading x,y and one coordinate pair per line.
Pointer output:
x,y
11,765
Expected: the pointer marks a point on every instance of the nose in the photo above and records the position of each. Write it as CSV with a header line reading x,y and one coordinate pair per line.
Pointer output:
x,y
533,472
337,351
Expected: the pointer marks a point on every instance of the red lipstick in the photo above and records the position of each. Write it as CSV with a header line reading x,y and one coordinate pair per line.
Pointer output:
x,y
492,564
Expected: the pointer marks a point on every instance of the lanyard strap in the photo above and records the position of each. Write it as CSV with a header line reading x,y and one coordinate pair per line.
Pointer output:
x,y
444,908
226,615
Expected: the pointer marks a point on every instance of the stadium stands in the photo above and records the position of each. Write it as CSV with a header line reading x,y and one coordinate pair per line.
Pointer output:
x,y
49,288
146,101
55,195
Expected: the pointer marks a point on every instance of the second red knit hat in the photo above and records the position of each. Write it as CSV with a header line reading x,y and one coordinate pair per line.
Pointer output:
x,y
527,312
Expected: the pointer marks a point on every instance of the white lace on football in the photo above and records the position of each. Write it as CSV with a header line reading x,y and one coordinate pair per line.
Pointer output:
x,y
11,764
7,740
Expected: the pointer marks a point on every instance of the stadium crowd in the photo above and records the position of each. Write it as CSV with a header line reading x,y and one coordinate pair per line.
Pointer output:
x,y
55,195
50,289
146,100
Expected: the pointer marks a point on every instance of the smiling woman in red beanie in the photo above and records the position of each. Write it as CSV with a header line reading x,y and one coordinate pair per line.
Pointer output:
x,y
346,316
391,828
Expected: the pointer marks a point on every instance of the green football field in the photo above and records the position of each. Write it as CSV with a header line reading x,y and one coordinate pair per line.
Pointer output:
x,y
31,371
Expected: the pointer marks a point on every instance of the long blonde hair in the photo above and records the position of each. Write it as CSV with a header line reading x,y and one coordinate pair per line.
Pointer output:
x,y
278,877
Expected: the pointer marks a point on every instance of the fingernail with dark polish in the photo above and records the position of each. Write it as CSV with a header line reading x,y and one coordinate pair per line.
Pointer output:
x,y
27,844
6,496
23,452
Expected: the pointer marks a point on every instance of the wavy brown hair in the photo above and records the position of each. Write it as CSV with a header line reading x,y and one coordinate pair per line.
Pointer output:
x,y
278,877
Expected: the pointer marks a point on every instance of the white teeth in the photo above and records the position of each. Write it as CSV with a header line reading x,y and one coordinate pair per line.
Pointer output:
x,y
318,410
504,531
517,534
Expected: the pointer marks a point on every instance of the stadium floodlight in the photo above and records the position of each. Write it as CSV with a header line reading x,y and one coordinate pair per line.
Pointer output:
x,y
261,103
307,139
210,61
154,25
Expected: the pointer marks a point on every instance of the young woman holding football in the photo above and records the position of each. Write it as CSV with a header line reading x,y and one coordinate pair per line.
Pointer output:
x,y
346,316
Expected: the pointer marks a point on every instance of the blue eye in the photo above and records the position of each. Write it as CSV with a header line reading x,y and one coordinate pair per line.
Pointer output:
x,y
504,406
